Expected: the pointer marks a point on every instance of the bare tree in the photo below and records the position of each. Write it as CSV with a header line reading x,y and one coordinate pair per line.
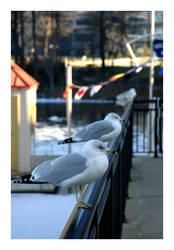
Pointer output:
x,y
102,39
22,49
15,35
111,29
34,49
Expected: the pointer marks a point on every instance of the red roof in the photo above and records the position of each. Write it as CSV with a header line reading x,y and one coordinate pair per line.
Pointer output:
x,y
21,79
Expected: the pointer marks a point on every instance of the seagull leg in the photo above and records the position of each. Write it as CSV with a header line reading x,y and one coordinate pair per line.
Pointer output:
x,y
81,203
76,193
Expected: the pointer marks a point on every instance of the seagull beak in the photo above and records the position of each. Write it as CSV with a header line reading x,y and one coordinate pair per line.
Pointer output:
x,y
111,151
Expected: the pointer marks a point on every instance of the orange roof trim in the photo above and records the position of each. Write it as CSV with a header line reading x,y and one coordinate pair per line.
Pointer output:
x,y
21,79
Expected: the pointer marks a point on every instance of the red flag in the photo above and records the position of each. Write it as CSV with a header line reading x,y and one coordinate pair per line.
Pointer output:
x,y
80,93
65,93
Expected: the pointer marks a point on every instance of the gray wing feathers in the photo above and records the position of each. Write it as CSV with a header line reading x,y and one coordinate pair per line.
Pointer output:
x,y
59,169
95,130
126,96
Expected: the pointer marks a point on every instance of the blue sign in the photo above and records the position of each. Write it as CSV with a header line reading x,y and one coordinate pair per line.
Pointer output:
x,y
158,47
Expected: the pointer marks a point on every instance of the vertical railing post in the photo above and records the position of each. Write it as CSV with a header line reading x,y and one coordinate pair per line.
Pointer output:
x,y
158,122
160,128
69,102
116,192
124,179
156,127
131,137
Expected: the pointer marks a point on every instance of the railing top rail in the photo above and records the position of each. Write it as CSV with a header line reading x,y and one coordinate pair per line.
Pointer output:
x,y
137,101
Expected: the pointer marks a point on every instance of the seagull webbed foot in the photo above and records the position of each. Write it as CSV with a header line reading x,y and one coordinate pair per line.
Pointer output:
x,y
82,204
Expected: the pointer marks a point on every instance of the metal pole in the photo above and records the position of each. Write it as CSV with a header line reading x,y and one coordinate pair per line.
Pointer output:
x,y
151,115
151,76
145,36
133,56
69,102
156,129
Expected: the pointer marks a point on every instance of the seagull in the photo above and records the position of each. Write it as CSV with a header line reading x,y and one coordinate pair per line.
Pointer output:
x,y
73,169
126,98
104,130
55,119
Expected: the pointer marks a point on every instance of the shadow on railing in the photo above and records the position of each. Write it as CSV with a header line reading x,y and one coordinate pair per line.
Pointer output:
x,y
107,195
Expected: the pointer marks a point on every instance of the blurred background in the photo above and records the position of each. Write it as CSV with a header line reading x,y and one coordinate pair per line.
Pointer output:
x,y
92,41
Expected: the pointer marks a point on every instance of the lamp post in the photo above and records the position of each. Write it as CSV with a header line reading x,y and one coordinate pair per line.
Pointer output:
x,y
69,101
151,75
151,115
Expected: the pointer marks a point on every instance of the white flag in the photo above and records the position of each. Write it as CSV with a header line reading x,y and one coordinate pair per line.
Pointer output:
x,y
95,89
80,93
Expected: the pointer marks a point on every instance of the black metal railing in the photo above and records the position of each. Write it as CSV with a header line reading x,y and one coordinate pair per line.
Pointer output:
x,y
107,195
142,132
148,126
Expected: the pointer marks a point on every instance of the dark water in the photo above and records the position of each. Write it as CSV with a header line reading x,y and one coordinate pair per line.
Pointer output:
x,y
86,112
82,111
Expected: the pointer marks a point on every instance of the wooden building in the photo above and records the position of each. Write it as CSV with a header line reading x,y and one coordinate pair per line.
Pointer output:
x,y
23,117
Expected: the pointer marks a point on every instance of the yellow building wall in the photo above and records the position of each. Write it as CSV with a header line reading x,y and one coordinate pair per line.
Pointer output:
x,y
24,137
24,134
15,121
32,107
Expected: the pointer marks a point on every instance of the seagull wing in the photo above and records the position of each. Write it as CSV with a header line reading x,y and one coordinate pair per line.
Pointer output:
x,y
95,130
123,96
62,168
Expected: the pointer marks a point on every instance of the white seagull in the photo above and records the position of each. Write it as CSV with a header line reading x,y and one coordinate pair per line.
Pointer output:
x,y
126,98
73,169
104,130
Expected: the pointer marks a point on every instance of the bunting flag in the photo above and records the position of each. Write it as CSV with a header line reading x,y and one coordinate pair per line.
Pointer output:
x,y
161,69
158,47
95,89
65,93
112,78
80,93
138,69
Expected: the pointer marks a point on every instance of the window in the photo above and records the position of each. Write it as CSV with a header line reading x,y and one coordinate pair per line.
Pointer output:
x,y
84,37
82,21
136,20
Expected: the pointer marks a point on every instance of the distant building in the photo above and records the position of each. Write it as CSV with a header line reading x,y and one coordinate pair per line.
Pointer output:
x,y
84,41
83,37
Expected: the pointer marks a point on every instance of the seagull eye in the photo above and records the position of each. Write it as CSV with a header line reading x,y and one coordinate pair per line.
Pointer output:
x,y
101,147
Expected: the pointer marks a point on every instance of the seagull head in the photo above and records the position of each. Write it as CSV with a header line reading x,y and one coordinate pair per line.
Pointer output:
x,y
113,117
96,146
133,92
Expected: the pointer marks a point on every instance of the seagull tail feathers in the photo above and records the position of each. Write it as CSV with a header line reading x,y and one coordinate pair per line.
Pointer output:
x,y
23,179
69,140
26,179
